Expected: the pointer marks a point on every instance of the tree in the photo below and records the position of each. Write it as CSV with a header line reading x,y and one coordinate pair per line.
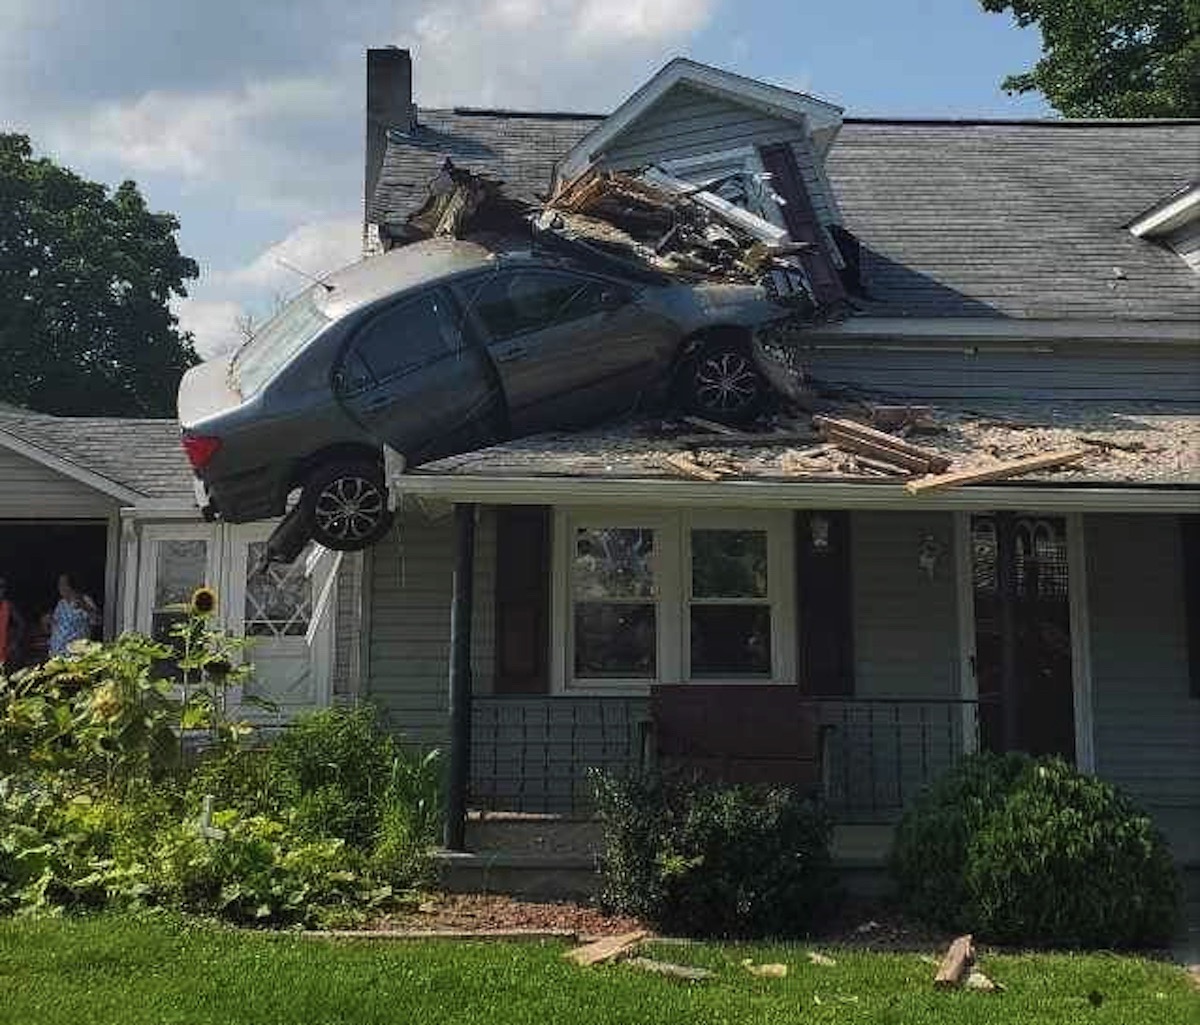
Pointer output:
x,y
1112,58
86,277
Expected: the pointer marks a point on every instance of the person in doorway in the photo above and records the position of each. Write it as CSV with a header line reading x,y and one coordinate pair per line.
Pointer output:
x,y
73,618
12,630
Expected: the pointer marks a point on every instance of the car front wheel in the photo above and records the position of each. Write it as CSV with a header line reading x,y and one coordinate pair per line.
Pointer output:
x,y
346,506
723,383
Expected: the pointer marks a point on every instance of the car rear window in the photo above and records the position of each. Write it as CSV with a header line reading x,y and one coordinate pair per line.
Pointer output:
x,y
278,341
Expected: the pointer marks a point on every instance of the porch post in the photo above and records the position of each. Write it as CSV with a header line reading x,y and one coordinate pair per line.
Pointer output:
x,y
459,772
1006,586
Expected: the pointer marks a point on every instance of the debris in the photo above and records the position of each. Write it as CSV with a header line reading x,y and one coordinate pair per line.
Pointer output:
x,y
821,959
677,971
688,467
997,471
977,980
765,971
898,417
1108,443
958,960
860,438
744,440
607,949
712,426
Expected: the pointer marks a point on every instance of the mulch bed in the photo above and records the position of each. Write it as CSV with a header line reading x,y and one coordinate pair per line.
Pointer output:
x,y
865,925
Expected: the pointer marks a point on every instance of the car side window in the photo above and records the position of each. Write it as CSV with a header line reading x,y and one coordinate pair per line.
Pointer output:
x,y
515,302
401,340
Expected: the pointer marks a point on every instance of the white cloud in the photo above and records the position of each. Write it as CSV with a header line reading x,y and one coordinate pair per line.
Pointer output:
x,y
315,248
212,322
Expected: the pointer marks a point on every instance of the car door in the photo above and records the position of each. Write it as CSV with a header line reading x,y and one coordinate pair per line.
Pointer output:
x,y
414,379
570,348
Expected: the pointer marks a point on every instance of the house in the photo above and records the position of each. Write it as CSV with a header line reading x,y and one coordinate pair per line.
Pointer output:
x,y
111,501
1032,282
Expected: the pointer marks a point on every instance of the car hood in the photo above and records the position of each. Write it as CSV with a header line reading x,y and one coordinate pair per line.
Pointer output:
x,y
695,307
205,392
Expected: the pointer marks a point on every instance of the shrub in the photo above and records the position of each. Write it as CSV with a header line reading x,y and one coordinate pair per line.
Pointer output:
x,y
930,850
709,859
1032,851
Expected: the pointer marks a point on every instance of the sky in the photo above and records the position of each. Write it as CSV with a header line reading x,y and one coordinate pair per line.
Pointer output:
x,y
246,120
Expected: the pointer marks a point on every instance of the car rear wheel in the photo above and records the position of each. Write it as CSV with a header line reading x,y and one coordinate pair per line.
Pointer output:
x,y
723,383
346,505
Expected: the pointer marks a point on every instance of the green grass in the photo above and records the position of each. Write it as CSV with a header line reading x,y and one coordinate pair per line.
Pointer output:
x,y
122,971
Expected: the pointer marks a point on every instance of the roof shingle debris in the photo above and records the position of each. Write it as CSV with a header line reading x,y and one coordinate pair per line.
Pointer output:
x,y
1139,445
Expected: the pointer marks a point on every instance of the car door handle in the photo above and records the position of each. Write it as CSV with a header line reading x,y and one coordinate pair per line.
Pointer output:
x,y
508,355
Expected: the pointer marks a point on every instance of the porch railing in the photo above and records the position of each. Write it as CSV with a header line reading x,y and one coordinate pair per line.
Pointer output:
x,y
532,754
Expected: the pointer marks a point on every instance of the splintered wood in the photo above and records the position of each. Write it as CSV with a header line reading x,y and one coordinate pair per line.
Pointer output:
x,y
956,964
997,471
688,467
880,446
607,949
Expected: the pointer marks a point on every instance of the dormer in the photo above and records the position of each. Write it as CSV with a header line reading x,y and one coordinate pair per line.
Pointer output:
x,y
1174,222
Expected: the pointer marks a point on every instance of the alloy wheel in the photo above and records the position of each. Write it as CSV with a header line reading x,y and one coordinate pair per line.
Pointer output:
x,y
726,382
349,508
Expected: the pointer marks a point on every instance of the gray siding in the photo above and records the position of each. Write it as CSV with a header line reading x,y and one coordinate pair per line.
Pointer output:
x,y
1147,727
409,641
1145,373
905,625
33,491
689,123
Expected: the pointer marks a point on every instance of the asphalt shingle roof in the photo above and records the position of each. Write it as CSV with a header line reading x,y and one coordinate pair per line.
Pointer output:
x,y
142,455
957,218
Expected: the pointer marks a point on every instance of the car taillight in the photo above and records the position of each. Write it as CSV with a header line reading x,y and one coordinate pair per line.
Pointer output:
x,y
200,449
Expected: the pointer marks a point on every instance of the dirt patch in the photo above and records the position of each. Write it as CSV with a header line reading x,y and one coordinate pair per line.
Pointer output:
x,y
488,912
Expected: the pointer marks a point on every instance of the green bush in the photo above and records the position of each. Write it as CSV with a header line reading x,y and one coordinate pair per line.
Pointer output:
x,y
1032,851
708,859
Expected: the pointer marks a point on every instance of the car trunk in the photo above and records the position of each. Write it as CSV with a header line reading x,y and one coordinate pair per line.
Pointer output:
x,y
204,392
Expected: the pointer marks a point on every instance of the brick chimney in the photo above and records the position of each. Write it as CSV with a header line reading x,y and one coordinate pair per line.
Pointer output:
x,y
389,106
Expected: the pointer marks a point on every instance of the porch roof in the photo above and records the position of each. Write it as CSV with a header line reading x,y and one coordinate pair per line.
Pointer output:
x,y
1134,452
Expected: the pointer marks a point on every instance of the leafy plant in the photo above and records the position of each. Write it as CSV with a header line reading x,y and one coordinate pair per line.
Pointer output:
x,y
710,859
1032,851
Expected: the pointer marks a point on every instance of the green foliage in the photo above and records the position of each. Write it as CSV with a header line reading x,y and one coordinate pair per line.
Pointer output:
x,y
708,859
930,849
1112,58
86,278
1025,850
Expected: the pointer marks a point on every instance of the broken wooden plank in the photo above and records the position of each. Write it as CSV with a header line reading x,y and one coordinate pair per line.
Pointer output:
x,y
960,955
688,467
607,949
912,457
677,971
997,471
712,426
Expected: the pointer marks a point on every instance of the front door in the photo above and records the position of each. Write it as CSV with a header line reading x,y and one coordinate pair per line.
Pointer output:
x,y
1023,633
286,611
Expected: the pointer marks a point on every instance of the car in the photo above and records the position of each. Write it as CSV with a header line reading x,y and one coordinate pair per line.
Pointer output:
x,y
441,347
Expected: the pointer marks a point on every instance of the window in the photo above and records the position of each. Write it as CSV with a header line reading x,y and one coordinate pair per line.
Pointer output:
x,y
401,340
729,607
278,597
279,340
673,597
511,304
180,566
613,593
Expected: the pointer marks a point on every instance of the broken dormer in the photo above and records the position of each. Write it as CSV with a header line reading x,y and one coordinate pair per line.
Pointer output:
x,y
756,145
1174,222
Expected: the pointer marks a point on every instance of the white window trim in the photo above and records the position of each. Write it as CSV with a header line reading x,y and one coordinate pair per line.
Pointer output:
x,y
673,544
154,534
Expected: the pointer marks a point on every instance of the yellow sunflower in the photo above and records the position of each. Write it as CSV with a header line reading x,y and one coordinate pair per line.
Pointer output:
x,y
204,602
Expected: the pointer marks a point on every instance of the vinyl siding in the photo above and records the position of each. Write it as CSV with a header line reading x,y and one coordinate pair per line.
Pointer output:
x,y
1145,373
1147,727
411,582
33,491
687,122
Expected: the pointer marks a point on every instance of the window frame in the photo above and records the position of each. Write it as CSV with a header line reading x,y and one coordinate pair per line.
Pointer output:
x,y
153,536
673,529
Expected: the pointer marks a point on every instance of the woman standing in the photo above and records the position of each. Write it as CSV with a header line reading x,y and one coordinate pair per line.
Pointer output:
x,y
73,617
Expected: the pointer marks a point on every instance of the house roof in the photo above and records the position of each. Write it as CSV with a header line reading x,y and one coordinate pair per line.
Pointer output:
x,y
143,457
990,218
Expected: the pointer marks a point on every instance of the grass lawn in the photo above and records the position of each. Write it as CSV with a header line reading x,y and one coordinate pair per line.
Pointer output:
x,y
121,971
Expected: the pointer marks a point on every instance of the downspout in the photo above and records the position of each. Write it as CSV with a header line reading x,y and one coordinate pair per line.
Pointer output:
x,y
459,769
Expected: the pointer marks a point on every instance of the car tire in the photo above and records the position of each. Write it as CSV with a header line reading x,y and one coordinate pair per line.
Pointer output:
x,y
722,382
346,505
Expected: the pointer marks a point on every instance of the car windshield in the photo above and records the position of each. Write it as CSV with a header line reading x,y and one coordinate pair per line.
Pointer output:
x,y
277,342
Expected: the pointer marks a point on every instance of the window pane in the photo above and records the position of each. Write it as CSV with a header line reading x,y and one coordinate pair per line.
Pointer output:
x,y
615,641
179,570
406,338
613,562
511,304
729,564
731,640
278,597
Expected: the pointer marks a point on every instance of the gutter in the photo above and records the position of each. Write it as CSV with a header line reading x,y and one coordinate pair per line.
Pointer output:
x,y
809,494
